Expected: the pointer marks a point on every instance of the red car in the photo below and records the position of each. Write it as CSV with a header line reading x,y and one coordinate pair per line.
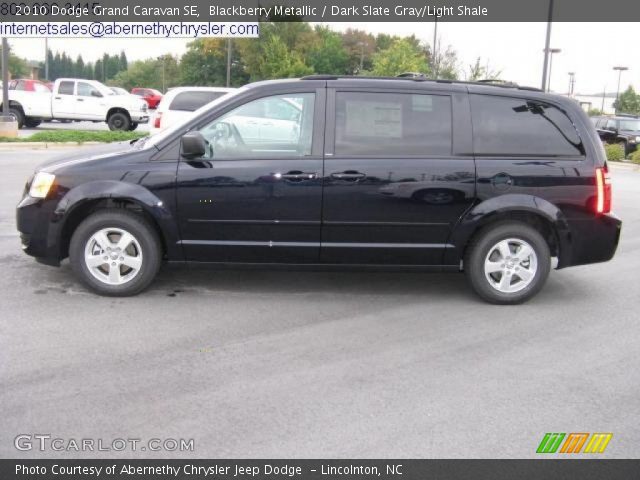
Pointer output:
x,y
151,96
28,85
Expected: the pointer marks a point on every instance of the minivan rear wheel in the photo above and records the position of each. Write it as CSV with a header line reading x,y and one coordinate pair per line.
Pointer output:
x,y
508,263
115,253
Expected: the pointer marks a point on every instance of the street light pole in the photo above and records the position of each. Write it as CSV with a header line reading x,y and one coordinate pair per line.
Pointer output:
x,y
228,62
571,83
551,51
546,47
434,53
620,70
46,58
5,77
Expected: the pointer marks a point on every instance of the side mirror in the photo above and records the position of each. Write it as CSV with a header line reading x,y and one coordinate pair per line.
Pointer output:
x,y
95,93
192,145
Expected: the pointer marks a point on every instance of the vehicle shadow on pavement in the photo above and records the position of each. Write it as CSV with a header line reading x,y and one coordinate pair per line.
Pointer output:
x,y
277,282
174,281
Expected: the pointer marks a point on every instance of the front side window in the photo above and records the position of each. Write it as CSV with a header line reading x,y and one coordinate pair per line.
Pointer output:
x,y
394,124
521,127
65,88
87,90
630,125
269,127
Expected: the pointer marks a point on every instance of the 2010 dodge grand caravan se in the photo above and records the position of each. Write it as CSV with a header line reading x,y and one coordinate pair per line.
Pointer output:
x,y
489,180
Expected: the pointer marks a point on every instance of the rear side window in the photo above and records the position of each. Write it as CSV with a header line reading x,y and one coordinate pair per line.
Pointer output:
x,y
517,126
393,124
191,101
65,88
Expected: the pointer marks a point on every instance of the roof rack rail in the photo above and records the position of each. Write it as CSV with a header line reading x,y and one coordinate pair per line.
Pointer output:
x,y
421,77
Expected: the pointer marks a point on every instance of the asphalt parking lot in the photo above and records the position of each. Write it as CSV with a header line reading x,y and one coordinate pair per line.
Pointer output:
x,y
258,364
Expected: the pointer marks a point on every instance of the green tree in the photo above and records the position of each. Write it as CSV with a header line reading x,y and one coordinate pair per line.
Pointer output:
x,y
295,40
98,71
160,73
628,102
205,63
327,55
360,47
401,56
123,62
280,62
478,71
142,73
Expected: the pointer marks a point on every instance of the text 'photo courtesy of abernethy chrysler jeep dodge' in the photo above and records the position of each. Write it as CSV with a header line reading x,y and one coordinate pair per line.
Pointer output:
x,y
491,180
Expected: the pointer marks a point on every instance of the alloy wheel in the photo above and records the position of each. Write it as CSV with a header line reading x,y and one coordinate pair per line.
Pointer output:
x,y
511,265
113,256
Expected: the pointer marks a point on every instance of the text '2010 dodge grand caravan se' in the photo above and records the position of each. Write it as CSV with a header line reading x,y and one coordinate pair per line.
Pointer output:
x,y
489,180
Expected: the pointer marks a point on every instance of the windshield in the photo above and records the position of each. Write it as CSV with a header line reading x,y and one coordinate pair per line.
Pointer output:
x,y
154,140
631,125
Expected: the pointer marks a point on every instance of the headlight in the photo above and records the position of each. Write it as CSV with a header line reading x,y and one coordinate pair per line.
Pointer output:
x,y
41,184
637,139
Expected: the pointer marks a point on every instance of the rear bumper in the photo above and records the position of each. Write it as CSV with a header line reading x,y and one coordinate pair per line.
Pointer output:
x,y
591,241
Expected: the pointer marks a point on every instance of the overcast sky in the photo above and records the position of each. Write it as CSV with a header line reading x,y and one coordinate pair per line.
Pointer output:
x,y
590,50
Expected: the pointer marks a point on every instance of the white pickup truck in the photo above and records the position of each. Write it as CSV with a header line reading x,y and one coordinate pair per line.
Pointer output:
x,y
78,99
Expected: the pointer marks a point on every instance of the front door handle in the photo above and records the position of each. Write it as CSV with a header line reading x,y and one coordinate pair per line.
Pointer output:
x,y
80,99
297,176
348,175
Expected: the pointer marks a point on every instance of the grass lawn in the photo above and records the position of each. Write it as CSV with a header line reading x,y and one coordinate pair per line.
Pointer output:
x,y
77,136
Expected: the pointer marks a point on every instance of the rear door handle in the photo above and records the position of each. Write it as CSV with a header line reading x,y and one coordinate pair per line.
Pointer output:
x,y
348,175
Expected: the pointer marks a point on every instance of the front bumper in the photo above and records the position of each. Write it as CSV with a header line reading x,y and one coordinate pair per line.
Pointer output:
x,y
139,117
39,232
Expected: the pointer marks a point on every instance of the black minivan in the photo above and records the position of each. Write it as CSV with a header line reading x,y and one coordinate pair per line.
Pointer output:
x,y
492,180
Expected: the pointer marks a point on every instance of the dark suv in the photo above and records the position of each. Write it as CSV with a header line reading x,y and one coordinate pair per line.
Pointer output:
x,y
621,129
413,173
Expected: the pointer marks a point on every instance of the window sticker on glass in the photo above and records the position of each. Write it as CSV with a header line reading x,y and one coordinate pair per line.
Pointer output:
x,y
374,119
422,103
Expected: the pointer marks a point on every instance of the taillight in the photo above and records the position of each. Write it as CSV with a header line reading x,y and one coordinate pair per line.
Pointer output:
x,y
603,190
156,122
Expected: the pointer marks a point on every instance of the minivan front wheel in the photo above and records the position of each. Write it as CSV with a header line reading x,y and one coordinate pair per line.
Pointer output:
x,y
115,253
508,263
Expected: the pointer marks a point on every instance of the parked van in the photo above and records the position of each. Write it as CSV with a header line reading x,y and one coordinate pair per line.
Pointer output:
x,y
489,180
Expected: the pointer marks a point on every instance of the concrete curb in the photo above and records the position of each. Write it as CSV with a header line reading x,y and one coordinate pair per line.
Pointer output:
x,y
624,166
43,145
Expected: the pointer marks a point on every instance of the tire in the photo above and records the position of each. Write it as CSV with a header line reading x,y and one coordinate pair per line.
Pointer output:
x,y
142,249
17,114
486,266
32,122
133,126
119,121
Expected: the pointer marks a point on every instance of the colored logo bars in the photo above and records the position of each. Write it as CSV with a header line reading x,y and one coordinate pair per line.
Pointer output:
x,y
573,442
